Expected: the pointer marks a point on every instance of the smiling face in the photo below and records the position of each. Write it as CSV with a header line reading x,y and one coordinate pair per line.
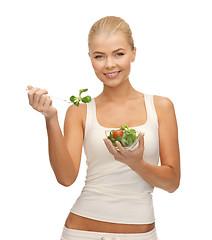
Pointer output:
x,y
111,57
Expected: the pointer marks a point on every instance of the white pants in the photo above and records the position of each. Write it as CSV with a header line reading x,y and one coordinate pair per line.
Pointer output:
x,y
73,234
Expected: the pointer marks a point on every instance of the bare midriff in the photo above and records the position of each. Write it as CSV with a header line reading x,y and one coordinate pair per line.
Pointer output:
x,y
77,222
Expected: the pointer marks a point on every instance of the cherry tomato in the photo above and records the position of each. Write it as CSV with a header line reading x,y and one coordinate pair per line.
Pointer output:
x,y
118,133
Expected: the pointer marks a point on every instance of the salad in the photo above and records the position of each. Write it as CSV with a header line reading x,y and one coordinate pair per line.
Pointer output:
x,y
76,100
126,136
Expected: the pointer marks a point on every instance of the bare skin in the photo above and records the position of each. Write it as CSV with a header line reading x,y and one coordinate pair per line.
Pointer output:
x,y
85,224
137,104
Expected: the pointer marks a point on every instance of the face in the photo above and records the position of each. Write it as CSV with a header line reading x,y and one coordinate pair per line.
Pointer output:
x,y
111,57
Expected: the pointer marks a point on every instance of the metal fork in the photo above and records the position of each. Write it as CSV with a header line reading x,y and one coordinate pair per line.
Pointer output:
x,y
55,97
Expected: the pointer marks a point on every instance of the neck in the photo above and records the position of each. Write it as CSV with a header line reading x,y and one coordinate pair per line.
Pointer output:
x,y
120,94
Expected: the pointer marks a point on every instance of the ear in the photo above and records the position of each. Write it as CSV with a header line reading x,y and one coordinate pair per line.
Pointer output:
x,y
89,54
133,54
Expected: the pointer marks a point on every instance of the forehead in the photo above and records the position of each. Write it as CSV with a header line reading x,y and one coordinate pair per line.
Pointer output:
x,y
109,42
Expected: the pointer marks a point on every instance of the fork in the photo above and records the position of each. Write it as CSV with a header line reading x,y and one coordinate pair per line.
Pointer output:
x,y
55,97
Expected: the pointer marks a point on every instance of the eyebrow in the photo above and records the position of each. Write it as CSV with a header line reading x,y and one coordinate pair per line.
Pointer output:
x,y
113,51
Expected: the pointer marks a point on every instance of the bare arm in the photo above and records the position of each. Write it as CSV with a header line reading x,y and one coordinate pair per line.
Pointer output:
x,y
60,159
166,176
64,151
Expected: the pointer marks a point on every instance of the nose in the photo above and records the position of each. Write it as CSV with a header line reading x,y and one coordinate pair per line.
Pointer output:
x,y
110,63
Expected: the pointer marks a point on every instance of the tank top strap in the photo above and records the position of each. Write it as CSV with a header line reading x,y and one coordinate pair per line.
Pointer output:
x,y
90,115
150,108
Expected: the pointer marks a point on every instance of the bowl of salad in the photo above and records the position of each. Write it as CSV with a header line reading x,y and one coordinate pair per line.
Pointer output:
x,y
128,137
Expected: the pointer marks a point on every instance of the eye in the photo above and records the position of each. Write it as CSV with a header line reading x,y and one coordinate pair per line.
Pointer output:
x,y
120,54
98,56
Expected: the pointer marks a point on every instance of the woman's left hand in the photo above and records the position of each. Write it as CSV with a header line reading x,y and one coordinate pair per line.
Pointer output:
x,y
129,157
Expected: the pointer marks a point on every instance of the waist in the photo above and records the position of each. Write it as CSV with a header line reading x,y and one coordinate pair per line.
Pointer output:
x,y
114,206
77,222
121,193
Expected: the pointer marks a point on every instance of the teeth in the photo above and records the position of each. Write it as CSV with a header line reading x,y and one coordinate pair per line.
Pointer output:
x,y
111,74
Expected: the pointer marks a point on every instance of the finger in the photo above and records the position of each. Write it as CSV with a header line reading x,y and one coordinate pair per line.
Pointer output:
x,y
31,95
141,140
29,87
39,93
120,147
41,103
47,103
110,147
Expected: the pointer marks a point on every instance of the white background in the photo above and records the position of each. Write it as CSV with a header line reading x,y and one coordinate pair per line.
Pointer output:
x,y
44,44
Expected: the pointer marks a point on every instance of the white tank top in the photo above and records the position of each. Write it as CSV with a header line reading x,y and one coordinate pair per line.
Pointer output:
x,y
113,192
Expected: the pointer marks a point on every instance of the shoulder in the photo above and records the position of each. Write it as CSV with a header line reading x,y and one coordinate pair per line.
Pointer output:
x,y
163,103
77,114
77,110
83,110
164,107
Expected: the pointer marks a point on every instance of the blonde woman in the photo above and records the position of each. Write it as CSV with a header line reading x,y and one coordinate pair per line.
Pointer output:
x,y
116,201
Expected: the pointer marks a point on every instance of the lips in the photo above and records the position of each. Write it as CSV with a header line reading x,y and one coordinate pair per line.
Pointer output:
x,y
112,74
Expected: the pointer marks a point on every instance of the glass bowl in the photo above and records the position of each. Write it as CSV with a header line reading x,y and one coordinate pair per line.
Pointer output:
x,y
128,147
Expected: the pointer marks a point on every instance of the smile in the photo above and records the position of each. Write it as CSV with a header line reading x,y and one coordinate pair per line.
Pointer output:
x,y
112,75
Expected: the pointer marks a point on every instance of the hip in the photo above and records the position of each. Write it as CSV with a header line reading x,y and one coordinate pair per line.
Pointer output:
x,y
77,222
72,234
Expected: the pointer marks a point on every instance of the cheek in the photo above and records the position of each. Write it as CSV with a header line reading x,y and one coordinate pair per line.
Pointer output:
x,y
97,66
125,63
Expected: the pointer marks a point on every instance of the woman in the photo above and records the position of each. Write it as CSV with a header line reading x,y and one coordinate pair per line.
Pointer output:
x,y
116,201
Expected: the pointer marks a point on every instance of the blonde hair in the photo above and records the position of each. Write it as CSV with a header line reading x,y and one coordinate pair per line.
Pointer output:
x,y
110,25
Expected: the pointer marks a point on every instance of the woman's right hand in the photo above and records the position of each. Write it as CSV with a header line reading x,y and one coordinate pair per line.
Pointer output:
x,y
41,102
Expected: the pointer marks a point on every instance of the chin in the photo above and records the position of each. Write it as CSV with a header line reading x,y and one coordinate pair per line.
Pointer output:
x,y
114,83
